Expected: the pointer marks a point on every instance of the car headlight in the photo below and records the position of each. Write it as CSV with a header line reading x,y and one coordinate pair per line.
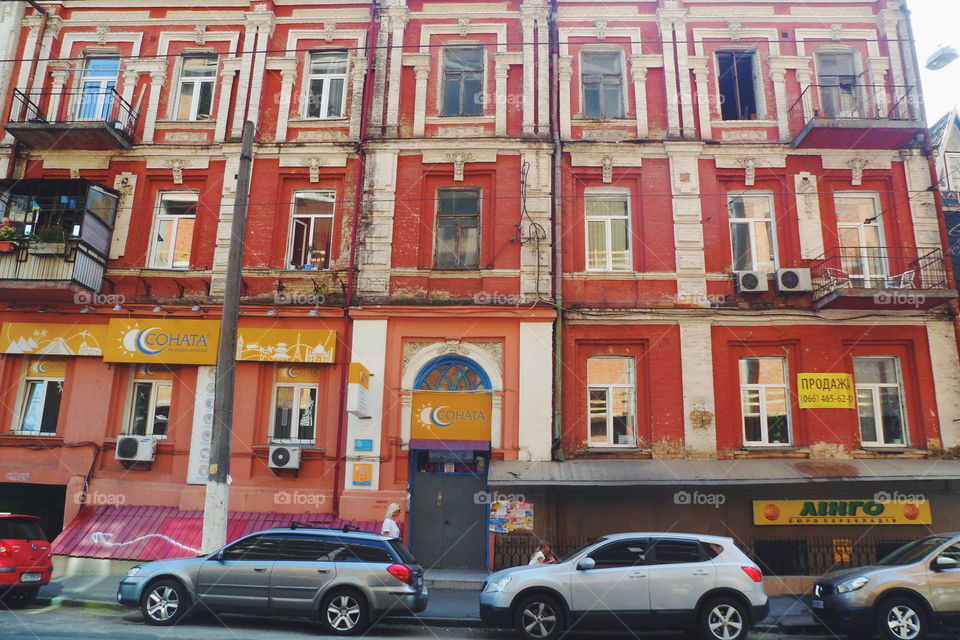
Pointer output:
x,y
134,571
498,584
852,585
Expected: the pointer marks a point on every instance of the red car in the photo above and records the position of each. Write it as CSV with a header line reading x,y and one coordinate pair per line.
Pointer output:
x,y
25,563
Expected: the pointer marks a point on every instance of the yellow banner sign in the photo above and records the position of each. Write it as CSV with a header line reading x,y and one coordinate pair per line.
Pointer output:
x,y
826,391
162,341
836,512
46,367
439,415
287,345
53,339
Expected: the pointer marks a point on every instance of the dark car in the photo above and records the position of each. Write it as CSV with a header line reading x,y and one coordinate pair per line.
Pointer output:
x,y
25,563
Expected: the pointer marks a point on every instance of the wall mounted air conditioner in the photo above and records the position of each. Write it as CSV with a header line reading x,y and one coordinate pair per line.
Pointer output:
x,y
751,281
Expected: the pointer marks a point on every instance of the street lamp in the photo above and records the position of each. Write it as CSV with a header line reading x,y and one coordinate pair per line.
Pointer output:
x,y
941,58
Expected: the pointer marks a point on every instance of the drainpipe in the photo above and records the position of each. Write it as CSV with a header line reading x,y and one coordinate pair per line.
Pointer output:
x,y
339,482
34,61
557,211
934,182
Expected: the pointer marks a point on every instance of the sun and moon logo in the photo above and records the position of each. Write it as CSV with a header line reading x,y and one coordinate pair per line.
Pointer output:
x,y
136,339
432,415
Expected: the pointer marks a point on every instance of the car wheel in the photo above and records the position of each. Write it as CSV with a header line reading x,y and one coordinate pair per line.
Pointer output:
x,y
901,619
164,603
16,598
539,617
344,612
723,619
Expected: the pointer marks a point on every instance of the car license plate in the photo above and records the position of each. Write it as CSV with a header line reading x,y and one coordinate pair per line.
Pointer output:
x,y
30,577
817,604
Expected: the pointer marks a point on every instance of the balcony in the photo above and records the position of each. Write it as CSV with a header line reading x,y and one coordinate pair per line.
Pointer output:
x,y
64,229
856,116
881,278
74,120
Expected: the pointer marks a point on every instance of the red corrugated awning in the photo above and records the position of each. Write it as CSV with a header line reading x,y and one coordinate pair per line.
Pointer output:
x,y
157,533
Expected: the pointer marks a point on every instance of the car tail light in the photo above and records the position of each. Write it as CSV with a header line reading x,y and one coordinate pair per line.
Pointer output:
x,y
754,573
401,572
5,551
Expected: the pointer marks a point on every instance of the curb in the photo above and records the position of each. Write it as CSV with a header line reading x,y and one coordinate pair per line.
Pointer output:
x,y
414,621
76,603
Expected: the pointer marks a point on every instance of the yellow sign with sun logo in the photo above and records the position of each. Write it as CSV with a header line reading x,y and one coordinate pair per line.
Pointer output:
x,y
162,341
451,417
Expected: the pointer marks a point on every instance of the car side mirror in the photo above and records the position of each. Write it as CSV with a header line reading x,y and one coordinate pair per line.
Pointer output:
x,y
586,564
943,563
218,556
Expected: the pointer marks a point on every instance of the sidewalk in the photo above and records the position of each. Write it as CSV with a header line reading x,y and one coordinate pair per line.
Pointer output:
x,y
447,607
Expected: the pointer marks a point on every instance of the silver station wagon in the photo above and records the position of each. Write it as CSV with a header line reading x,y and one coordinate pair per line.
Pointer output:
x,y
346,579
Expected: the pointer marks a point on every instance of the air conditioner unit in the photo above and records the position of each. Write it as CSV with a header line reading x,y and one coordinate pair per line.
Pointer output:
x,y
794,280
751,281
284,457
136,448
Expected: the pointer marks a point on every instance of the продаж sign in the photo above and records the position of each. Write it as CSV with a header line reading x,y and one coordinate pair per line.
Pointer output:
x,y
827,512
826,391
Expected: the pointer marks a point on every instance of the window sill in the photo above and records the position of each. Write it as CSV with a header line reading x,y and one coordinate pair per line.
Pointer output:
x,y
616,448
292,270
887,448
769,447
316,121
744,123
460,119
26,438
625,121
186,124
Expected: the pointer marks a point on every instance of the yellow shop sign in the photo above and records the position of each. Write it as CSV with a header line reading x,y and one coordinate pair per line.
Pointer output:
x,y
53,339
826,391
827,512
287,345
162,341
439,415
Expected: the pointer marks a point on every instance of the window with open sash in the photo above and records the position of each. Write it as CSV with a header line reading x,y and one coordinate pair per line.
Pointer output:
x,y
311,235
608,230
462,81
752,232
41,407
458,229
880,401
173,239
198,75
150,408
602,77
765,401
98,81
611,404
327,84
738,85
840,92
294,412
863,256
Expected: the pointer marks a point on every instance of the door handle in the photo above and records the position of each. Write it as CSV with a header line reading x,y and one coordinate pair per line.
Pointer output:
x,y
439,499
638,575
701,573
323,570
259,569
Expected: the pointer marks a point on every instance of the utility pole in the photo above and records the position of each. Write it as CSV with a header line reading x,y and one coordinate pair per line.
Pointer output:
x,y
215,507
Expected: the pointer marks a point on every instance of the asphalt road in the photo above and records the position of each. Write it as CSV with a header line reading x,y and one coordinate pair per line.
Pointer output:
x,y
70,623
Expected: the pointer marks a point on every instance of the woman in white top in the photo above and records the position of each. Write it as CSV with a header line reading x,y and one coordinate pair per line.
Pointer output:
x,y
390,527
542,555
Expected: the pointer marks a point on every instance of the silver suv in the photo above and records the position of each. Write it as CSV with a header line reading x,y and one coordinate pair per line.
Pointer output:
x,y
632,581
912,591
345,578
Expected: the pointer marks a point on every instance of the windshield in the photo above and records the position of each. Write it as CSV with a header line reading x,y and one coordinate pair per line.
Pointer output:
x,y
571,555
913,551
402,552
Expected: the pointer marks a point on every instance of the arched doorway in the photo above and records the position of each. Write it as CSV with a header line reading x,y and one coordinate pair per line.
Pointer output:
x,y
449,451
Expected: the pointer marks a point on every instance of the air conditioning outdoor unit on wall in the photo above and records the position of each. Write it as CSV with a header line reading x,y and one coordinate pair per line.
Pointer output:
x,y
136,449
751,281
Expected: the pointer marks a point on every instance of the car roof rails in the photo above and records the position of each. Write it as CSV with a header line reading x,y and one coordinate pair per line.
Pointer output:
x,y
346,528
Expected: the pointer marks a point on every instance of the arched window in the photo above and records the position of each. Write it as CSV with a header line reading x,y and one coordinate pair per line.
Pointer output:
x,y
452,373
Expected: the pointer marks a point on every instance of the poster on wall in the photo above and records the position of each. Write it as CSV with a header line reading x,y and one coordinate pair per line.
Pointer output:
x,y
507,516
826,391
836,512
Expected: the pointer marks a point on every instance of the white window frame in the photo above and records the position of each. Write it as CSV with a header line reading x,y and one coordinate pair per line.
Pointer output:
x,y
608,229
442,71
325,78
874,388
294,428
624,96
762,388
20,414
771,219
196,81
151,408
608,389
758,88
875,280
288,257
159,218
103,103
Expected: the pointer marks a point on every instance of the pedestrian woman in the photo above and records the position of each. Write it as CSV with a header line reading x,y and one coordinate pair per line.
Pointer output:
x,y
390,526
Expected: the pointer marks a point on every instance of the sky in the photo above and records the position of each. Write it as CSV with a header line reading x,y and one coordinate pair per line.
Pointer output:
x,y
936,22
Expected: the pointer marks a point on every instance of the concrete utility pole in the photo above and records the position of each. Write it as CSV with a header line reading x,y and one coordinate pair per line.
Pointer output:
x,y
215,508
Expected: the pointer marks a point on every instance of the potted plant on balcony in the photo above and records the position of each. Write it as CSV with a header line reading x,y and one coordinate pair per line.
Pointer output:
x,y
48,240
9,236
